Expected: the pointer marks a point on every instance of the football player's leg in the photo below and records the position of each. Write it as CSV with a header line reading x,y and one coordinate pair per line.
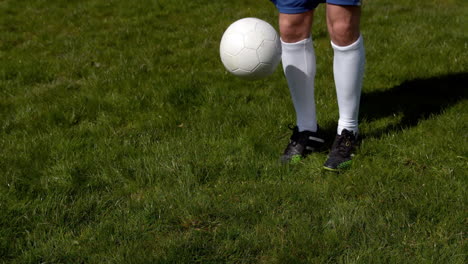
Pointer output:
x,y
299,65
349,59
298,59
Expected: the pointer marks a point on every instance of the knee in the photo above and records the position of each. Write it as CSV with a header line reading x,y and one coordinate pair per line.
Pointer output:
x,y
343,33
294,28
291,32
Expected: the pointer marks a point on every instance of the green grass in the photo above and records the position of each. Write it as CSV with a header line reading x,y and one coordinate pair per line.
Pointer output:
x,y
123,139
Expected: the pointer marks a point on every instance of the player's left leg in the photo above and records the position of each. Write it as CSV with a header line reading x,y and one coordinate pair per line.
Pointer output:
x,y
348,69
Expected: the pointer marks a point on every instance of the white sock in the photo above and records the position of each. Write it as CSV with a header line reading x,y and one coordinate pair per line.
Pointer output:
x,y
348,70
299,67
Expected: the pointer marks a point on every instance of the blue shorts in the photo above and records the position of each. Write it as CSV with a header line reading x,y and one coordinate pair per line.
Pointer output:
x,y
301,6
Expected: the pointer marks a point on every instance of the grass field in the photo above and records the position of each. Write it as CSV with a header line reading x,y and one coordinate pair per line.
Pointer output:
x,y
124,140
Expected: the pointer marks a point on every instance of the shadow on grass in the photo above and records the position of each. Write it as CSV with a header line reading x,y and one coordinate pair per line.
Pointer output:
x,y
413,101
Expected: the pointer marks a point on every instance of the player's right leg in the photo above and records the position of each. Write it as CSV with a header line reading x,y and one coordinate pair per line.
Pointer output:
x,y
299,65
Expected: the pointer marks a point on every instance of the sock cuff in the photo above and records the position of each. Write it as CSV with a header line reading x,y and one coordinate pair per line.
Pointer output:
x,y
353,46
293,45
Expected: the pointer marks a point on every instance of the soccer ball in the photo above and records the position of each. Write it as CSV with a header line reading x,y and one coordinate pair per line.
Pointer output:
x,y
250,48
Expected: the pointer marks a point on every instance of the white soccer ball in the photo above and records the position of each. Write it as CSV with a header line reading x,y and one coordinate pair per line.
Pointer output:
x,y
250,48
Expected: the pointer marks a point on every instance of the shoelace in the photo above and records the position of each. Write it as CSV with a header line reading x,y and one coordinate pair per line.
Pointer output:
x,y
296,134
344,144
